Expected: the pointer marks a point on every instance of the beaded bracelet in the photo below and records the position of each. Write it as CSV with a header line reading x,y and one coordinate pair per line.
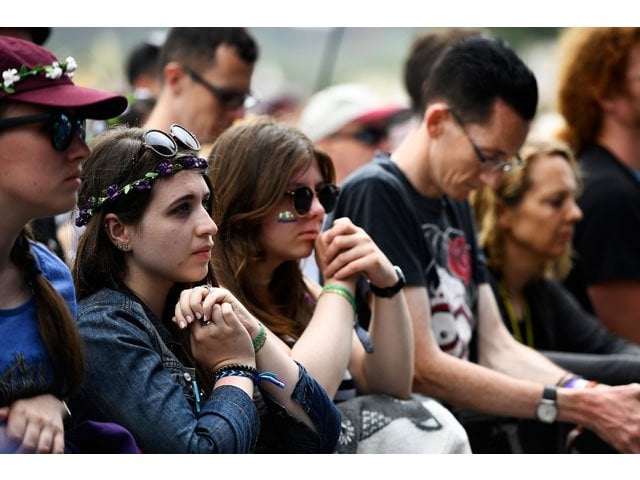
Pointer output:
x,y
361,333
260,339
247,371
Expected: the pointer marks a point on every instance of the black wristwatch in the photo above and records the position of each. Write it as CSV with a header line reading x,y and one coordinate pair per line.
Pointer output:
x,y
389,292
547,410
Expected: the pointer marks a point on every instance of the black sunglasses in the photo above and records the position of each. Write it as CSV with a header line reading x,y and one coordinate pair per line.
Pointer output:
x,y
371,136
61,127
303,197
230,99
166,144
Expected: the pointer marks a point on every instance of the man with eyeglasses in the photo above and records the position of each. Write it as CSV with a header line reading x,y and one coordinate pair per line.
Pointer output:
x,y
206,80
349,122
477,107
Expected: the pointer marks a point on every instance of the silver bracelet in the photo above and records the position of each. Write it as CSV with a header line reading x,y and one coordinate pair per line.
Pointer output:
x,y
66,407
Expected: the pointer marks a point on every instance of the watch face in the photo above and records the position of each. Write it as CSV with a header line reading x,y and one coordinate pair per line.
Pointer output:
x,y
547,412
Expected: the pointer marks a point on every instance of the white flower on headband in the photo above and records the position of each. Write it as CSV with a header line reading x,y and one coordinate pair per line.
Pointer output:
x,y
54,71
9,77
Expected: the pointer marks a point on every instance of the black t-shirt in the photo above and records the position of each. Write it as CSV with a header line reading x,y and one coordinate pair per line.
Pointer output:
x,y
607,239
433,240
560,323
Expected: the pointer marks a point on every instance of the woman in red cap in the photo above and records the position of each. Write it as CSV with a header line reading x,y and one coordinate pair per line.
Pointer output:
x,y
42,143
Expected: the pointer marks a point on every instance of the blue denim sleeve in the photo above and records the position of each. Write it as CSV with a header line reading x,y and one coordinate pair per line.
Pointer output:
x,y
282,433
127,383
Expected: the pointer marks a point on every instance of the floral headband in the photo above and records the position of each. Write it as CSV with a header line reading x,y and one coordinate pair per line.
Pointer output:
x,y
163,169
54,71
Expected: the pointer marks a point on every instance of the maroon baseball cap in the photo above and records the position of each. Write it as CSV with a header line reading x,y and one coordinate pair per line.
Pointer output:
x,y
32,74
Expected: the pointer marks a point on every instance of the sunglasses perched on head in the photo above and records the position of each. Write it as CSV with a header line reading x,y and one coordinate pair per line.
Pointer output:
x,y
303,197
166,144
61,127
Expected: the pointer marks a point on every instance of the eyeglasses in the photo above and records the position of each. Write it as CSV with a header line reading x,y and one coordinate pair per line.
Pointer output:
x,y
230,99
61,127
491,165
370,136
303,197
165,144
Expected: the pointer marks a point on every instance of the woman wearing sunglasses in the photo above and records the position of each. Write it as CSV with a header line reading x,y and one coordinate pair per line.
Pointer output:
x,y
145,201
273,188
42,118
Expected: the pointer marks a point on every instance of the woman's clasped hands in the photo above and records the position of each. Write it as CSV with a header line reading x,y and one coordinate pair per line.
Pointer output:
x,y
221,328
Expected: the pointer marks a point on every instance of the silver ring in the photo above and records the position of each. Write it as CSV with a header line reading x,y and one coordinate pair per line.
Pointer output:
x,y
205,323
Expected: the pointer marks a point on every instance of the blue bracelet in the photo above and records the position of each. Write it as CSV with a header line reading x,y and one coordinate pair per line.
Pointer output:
x,y
248,372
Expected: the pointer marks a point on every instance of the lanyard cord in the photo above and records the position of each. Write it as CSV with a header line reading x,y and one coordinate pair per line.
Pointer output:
x,y
515,325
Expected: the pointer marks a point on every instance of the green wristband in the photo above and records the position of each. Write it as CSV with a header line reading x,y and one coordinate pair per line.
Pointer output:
x,y
260,339
343,292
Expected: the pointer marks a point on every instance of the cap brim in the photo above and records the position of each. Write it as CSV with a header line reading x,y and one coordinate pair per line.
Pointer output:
x,y
378,114
88,102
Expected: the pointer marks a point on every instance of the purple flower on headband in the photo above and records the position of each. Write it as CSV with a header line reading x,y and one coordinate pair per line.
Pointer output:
x,y
164,169
83,217
112,191
143,184
187,162
191,162
91,202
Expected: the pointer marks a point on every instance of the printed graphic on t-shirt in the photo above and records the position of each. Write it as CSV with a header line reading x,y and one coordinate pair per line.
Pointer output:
x,y
449,276
23,378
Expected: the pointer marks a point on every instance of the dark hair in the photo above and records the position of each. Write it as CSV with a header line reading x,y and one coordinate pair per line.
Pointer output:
x,y
251,165
99,263
196,47
142,59
472,74
424,52
595,62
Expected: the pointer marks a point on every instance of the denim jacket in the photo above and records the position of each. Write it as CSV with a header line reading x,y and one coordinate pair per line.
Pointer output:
x,y
134,379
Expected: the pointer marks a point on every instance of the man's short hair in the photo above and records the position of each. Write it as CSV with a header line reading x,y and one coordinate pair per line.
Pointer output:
x,y
472,74
424,51
196,47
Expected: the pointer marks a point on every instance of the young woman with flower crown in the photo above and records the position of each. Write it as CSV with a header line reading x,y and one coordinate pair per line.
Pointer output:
x,y
146,203
42,142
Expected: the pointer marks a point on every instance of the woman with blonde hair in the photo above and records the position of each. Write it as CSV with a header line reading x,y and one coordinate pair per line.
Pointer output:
x,y
526,226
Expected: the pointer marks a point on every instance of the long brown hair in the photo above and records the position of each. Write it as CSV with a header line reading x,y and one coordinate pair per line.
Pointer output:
x,y
250,167
55,321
